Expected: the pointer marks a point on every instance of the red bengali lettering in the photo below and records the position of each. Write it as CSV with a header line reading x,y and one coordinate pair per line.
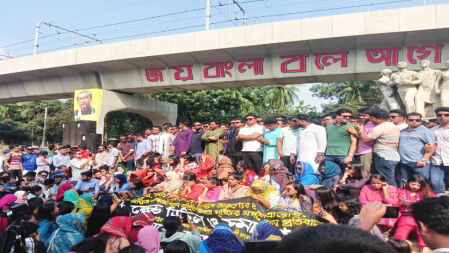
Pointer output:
x,y
423,52
181,69
221,69
325,59
301,58
154,74
256,64
388,55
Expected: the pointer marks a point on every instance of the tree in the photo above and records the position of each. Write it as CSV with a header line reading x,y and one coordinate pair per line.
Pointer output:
x,y
351,94
281,97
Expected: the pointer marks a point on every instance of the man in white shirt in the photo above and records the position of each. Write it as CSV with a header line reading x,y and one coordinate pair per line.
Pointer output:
x,y
439,168
165,141
286,144
113,156
398,118
155,138
252,151
311,141
80,165
432,217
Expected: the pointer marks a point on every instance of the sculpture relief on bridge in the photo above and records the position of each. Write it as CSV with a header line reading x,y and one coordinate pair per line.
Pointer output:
x,y
415,91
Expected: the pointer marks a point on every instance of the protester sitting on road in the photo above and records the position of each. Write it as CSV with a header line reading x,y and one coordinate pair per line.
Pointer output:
x,y
264,193
295,197
173,228
222,239
192,189
234,188
304,174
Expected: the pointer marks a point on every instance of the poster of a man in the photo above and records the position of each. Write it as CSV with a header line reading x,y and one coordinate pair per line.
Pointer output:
x,y
87,104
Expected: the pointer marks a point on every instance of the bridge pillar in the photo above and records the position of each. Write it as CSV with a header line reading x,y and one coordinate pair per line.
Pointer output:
x,y
157,111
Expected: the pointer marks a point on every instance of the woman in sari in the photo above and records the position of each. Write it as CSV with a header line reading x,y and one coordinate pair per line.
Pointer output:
x,y
205,167
304,174
115,232
138,222
279,174
69,233
234,188
84,205
266,231
62,189
222,239
224,168
172,183
71,196
264,193
329,174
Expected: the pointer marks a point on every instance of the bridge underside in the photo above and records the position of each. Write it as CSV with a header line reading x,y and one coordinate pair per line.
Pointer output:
x,y
335,48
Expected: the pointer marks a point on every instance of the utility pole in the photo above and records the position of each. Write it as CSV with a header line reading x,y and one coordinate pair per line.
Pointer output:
x,y
45,127
236,4
207,14
36,34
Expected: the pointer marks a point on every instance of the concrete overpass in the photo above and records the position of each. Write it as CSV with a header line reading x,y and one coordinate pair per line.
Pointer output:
x,y
343,47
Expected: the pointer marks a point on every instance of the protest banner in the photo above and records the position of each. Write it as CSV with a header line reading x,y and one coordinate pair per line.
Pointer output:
x,y
242,214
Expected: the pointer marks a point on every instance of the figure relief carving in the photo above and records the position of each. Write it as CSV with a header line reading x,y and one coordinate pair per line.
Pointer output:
x,y
386,84
442,86
425,96
406,82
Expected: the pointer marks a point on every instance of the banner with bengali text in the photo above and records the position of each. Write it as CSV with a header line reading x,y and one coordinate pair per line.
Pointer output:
x,y
242,215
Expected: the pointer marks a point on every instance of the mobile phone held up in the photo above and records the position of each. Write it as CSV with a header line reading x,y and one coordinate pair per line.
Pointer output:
x,y
184,218
392,212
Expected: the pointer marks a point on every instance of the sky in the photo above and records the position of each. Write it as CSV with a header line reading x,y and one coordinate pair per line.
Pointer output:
x,y
119,20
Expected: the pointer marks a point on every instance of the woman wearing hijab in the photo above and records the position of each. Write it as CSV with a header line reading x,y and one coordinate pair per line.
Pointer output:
x,y
138,222
7,199
304,174
224,168
329,174
222,239
71,196
279,174
266,231
22,197
148,238
115,232
264,193
172,184
69,233
84,205
99,216
205,167
121,184
61,190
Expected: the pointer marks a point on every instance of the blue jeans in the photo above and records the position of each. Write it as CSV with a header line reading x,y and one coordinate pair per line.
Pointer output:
x,y
338,159
438,175
386,168
408,169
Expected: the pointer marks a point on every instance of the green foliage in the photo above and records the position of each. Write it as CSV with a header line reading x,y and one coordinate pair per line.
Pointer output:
x,y
117,123
351,94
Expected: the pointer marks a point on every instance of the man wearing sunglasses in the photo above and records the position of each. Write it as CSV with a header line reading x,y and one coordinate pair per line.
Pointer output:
x,y
341,144
439,169
414,158
251,148
398,118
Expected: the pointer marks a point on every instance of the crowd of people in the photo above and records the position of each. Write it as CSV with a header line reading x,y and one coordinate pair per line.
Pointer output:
x,y
354,170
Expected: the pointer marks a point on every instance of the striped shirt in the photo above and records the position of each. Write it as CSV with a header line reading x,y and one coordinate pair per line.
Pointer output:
x,y
441,155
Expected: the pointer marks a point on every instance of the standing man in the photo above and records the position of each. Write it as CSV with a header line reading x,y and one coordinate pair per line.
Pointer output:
x,y
328,119
269,140
341,144
13,162
364,151
398,118
80,165
101,158
61,159
439,170
212,138
29,160
126,153
114,153
311,141
181,143
143,148
286,144
155,138
196,147
166,140
251,148
414,159
386,137
234,150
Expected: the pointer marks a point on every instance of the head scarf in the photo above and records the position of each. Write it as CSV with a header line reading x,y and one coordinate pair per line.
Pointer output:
x,y
19,195
138,174
119,226
204,167
148,238
7,199
222,239
266,187
69,233
332,170
71,195
84,205
173,181
142,219
106,198
307,176
264,230
122,179
62,189
278,173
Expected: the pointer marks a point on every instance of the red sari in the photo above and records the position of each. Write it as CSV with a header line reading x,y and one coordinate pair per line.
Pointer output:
x,y
205,167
